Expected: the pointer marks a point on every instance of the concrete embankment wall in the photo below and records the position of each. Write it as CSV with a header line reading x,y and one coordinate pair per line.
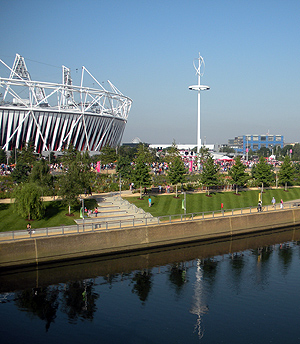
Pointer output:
x,y
58,248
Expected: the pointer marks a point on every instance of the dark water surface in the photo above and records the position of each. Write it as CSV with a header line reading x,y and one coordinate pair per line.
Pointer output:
x,y
245,290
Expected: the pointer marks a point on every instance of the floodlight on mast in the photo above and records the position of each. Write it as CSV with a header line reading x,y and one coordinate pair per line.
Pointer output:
x,y
199,88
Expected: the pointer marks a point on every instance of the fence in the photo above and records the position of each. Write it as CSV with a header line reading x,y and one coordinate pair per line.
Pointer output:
x,y
93,225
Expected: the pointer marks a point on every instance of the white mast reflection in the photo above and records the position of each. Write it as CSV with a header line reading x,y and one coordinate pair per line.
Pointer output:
x,y
198,307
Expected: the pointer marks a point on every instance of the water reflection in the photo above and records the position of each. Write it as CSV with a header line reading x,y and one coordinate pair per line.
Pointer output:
x,y
194,277
40,302
199,307
79,300
142,284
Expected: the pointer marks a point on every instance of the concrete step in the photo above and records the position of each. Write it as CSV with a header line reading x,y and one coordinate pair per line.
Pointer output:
x,y
114,208
122,218
109,212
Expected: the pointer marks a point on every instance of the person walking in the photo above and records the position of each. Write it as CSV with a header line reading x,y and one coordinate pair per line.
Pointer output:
x,y
281,204
29,228
30,231
149,201
259,207
273,202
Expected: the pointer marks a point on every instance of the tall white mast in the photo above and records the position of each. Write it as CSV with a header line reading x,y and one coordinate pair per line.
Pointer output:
x,y
199,88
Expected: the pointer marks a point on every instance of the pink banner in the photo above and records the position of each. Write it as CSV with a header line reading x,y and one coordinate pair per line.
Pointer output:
x,y
98,168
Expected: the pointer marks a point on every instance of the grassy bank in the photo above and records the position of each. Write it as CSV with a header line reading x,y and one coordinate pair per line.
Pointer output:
x,y
169,205
55,215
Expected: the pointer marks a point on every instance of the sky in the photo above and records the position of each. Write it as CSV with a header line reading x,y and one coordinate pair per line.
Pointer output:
x,y
146,49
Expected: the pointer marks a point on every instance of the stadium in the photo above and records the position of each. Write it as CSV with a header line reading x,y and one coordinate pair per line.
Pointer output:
x,y
55,115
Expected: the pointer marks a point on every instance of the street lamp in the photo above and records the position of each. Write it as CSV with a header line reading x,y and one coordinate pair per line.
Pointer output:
x,y
199,88
82,211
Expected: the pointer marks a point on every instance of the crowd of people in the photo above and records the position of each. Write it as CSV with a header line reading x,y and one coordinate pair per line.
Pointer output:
x,y
157,168
6,170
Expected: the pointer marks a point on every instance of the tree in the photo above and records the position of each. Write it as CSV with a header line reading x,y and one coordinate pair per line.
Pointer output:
x,y
286,172
108,155
210,173
3,158
26,155
76,178
227,149
128,151
176,172
238,174
172,152
264,152
21,172
124,168
263,172
296,152
70,187
28,202
203,155
40,174
70,155
141,173
297,173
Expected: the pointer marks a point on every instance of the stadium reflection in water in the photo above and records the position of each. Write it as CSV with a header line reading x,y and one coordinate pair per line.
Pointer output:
x,y
244,290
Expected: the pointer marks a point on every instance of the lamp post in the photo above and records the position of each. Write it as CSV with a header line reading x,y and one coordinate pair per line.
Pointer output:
x,y
199,88
82,211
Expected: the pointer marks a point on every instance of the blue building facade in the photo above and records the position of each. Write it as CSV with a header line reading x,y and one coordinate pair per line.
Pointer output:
x,y
255,142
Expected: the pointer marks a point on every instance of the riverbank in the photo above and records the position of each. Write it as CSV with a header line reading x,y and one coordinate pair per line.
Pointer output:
x,y
36,251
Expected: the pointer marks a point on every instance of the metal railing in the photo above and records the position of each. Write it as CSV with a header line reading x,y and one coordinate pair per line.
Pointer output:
x,y
93,225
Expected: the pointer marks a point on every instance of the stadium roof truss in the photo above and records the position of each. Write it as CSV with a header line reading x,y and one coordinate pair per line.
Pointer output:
x,y
85,117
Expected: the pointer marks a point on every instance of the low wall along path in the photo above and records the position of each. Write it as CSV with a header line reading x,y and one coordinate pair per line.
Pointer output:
x,y
148,232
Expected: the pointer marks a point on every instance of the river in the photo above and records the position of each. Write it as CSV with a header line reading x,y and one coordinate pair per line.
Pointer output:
x,y
244,290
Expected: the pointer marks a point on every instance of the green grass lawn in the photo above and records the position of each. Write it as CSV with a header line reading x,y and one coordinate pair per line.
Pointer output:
x,y
55,215
169,205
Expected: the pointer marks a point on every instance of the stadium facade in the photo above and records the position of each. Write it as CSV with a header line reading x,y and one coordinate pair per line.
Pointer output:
x,y
55,115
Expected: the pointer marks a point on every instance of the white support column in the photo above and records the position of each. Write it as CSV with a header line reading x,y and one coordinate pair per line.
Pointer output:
x,y
199,88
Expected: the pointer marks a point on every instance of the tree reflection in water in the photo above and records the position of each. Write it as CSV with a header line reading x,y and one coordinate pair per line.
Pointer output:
x,y
177,276
40,302
79,300
142,284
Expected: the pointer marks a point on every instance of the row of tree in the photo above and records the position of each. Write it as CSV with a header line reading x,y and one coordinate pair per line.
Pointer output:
x,y
133,166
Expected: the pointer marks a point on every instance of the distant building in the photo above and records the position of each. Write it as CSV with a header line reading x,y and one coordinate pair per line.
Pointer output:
x,y
255,142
